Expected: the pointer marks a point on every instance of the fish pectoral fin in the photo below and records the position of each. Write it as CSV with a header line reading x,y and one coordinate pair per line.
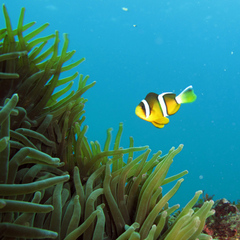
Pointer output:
x,y
158,125
161,122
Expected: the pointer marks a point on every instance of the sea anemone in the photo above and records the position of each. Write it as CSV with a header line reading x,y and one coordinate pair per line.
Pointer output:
x,y
54,183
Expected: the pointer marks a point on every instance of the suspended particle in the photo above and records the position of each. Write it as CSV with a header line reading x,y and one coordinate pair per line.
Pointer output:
x,y
125,9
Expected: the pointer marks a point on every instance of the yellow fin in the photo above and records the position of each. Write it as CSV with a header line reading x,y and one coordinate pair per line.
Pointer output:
x,y
162,120
158,125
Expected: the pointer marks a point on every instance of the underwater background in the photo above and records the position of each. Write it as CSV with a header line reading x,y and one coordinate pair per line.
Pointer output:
x,y
136,47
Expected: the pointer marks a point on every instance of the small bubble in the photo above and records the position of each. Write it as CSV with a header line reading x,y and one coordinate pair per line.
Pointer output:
x,y
201,177
125,9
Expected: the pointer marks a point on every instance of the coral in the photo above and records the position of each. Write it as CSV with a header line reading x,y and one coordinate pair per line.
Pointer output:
x,y
225,224
54,183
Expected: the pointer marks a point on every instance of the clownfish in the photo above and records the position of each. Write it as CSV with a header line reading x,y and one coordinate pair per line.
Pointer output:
x,y
156,108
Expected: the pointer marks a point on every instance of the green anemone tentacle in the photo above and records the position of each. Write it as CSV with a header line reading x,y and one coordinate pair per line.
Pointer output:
x,y
54,182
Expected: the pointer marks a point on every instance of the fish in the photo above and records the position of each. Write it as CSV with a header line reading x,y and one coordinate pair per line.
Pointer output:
x,y
155,108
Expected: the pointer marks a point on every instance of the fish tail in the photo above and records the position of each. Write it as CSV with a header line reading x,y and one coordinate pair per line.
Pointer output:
x,y
186,96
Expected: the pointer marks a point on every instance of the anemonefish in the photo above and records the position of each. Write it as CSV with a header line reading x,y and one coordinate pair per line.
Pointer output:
x,y
156,108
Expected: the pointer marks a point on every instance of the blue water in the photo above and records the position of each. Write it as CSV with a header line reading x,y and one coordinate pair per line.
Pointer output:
x,y
174,44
